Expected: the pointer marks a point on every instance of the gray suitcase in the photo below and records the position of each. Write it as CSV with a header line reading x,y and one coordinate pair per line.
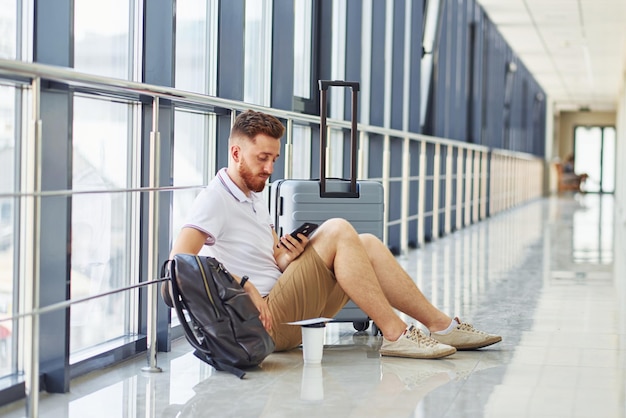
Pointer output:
x,y
293,202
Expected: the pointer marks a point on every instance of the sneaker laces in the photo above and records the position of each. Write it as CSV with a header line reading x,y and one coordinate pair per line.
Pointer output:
x,y
420,338
464,326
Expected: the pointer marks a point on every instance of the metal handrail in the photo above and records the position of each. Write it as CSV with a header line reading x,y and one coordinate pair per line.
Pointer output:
x,y
67,303
68,192
19,70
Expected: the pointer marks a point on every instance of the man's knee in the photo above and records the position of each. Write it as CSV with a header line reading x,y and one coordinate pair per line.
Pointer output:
x,y
330,236
370,241
336,229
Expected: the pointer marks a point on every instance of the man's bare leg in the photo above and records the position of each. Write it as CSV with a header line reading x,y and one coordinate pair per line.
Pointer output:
x,y
341,248
398,287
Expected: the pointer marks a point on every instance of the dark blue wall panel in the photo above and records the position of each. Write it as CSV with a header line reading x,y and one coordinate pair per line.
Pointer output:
x,y
397,68
282,54
473,94
377,65
52,45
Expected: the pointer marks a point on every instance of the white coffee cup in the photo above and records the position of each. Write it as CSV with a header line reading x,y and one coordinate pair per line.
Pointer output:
x,y
313,342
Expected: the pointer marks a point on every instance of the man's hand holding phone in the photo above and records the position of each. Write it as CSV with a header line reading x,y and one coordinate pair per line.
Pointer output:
x,y
305,229
292,245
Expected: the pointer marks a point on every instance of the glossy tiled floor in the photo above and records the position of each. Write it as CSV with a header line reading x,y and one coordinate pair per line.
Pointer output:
x,y
542,275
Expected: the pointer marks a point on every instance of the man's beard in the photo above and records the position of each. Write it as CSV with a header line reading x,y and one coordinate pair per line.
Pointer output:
x,y
252,181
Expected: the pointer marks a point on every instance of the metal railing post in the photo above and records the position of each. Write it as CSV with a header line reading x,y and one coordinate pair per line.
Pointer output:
x,y
289,150
459,189
448,202
362,165
421,196
386,182
436,190
476,187
30,268
468,187
153,239
406,174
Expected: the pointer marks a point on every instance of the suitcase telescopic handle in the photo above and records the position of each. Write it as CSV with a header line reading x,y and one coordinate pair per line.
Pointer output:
x,y
354,86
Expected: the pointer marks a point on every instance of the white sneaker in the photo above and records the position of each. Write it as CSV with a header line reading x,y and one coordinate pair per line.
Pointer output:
x,y
465,337
415,344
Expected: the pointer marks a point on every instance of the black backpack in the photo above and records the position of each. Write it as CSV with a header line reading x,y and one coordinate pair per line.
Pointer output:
x,y
224,327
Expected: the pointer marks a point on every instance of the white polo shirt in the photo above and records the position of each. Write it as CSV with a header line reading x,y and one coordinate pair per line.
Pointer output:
x,y
239,229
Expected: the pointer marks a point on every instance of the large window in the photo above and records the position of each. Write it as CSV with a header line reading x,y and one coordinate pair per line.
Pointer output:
x,y
258,52
336,96
196,70
594,150
196,46
11,110
7,226
302,153
430,29
104,244
8,29
102,222
193,157
103,38
302,48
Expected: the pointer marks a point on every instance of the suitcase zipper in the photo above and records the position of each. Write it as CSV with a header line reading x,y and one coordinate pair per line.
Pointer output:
x,y
206,287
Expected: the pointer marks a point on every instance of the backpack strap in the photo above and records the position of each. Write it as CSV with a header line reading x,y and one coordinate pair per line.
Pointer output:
x,y
218,365
166,292
178,305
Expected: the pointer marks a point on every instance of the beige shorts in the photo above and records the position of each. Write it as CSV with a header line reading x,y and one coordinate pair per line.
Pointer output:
x,y
306,289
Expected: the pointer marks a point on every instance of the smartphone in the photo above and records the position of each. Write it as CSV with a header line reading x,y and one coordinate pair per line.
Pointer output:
x,y
305,229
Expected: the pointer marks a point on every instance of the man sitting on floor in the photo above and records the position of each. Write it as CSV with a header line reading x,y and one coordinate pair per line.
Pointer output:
x,y
303,279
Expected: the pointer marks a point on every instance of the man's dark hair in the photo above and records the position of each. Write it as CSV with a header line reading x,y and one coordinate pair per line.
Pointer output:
x,y
251,123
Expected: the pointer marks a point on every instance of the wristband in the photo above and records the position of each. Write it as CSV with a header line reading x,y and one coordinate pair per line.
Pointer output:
x,y
243,281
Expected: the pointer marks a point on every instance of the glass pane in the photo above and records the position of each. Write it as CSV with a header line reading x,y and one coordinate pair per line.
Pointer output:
x,y
431,16
335,162
302,152
588,142
102,43
100,231
257,52
190,163
302,49
191,45
7,244
8,29
338,54
608,160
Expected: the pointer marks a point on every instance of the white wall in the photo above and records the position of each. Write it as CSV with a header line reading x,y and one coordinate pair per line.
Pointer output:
x,y
620,175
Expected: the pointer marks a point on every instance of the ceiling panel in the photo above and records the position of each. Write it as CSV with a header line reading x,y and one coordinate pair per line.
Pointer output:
x,y
529,41
576,49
